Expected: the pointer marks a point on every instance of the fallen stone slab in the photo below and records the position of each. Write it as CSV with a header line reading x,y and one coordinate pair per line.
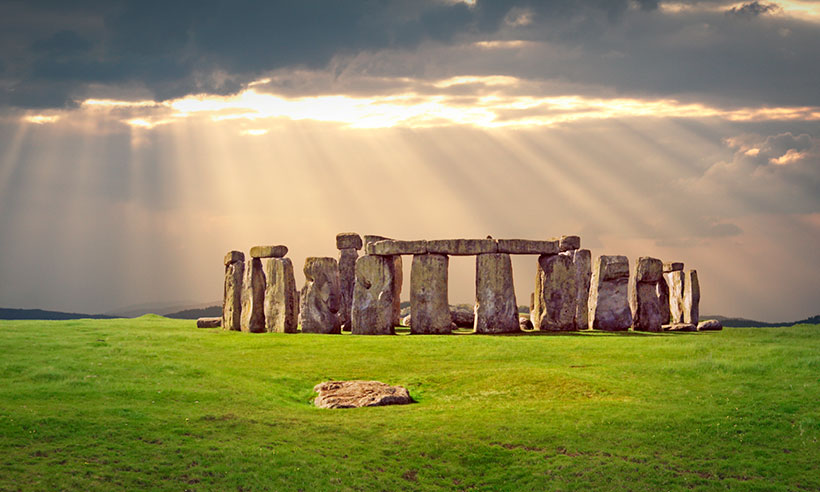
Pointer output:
x,y
528,246
209,322
356,394
463,317
680,327
348,240
524,323
392,247
462,247
672,266
568,243
710,325
278,251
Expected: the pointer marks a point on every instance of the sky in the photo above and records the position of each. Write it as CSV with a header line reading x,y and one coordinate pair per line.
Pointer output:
x,y
142,140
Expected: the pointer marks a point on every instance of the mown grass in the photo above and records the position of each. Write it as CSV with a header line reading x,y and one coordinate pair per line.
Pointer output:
x,y
156,404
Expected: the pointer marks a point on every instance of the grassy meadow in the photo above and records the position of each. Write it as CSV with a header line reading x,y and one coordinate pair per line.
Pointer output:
x,y
157,404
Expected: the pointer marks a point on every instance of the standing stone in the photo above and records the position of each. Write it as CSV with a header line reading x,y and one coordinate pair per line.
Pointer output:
x,y
676,281
253,297
558,293
372,311
644,301
608,297
429,304
348,240
532,306
663,300
582,264
691,298
320,296
495,309
568,243
398,279
232,294
281,302
347,278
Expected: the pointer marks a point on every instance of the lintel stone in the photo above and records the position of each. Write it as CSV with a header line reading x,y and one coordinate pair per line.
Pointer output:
x,y
348,240
568,243
528,247
278,251
234,257
391,247
672,266
462,247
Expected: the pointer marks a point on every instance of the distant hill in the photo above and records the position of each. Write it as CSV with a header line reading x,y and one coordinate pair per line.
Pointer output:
x,y
161,308
208,312
744,323
9,313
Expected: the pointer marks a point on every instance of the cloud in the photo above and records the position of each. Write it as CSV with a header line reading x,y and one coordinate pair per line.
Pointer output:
x,y
54,54
753,9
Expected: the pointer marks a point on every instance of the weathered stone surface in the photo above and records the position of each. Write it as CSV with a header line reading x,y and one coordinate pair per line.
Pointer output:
x,y
612,267
710,325
354,394
405,321
234,257
370,238
462,247
691,298
495,310
645,305
582,264
567,243
676,281
558,293
209,322
524,323
278,251
320,297
391,247
672,266
429,305
663,300
608,296
463,317
398,280
253,297
232,295
372,311
680,327
281,303
347,278
648,269
348,240
528,247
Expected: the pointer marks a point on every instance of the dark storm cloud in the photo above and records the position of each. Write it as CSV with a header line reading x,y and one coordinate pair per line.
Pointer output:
x,y
53,53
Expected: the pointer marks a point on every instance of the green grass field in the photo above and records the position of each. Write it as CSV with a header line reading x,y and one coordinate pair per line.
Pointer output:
x,y
157,404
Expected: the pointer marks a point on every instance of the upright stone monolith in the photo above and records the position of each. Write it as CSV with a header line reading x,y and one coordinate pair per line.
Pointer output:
x,y
608,297
582,265
319,300
676,284
253,297
281,302
644,301
429,304
558,290
495,309
397,275
372,310
232,294
691,298
348,244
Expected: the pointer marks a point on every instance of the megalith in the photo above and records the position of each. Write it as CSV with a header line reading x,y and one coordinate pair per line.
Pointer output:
x,y
232,293
401,247
253,297
558,290
429,303
319,300
495,309
675,279
582,265
372,309
608,298
281,302
348,244
691,298
644,301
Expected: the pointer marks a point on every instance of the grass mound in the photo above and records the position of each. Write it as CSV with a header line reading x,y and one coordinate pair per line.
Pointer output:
x,y
154,403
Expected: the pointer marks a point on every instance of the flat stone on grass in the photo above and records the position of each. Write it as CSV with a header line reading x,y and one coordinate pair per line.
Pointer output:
x,y
355,394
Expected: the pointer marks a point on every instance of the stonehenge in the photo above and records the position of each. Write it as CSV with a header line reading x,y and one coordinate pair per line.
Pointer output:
x,y
361,291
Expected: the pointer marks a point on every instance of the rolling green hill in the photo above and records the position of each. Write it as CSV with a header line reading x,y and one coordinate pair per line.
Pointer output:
x,y
154,403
